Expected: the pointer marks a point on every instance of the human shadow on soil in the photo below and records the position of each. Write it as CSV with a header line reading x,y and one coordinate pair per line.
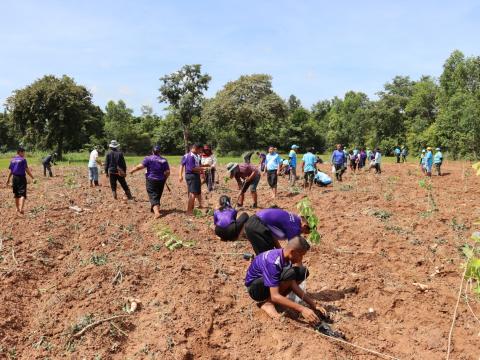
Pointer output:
x,y
333,295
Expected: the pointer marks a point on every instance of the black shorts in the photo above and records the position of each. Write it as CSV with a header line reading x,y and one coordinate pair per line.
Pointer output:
x,y
272,178
259,292
154,191
193,183
309,176
259,235
19,185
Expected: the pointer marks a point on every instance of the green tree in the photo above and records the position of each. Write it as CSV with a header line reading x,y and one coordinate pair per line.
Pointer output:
x,y
53,112
183,91
246,113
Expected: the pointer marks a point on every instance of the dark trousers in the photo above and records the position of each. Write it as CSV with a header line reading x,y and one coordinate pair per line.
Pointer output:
x,y
398,159
154,191
259,235
438,168
123,183
49,168
210,178
339,170
378,169
233,230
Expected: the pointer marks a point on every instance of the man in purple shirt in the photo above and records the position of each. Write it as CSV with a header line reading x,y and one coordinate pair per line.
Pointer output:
x,y
338,160
271,277
247,176
18,170
268,226
156,176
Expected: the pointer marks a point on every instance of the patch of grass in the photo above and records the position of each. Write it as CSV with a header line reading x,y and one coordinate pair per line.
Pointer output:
x,y
456,226
383,215
81,323
426,214
345,187
98,260
198,213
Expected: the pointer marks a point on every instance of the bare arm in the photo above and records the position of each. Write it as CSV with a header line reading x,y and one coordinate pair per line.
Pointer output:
x,y
180,176
9,177
29,173
303,295
279,299
136,168
167,174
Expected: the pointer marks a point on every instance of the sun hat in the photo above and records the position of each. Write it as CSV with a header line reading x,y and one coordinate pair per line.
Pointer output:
x,y
295,147
423,150
114,144
437,149
429,148
231,166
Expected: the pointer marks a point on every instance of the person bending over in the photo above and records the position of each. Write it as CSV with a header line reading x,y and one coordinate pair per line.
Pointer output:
x,y
47,164
271,277
227,225
247,175
268,226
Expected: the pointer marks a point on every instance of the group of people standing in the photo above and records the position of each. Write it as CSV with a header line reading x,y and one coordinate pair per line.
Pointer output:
x,y
428,160
355,159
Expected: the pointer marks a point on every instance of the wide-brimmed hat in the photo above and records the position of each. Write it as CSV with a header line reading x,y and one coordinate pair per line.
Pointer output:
x,y
294,147
114,144
429,148
231,166
437,149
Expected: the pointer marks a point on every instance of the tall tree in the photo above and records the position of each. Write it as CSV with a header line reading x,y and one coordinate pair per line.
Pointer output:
x,y
183,91
52,112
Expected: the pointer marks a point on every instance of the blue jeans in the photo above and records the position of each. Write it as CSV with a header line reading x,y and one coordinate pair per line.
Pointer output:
x,y
93,173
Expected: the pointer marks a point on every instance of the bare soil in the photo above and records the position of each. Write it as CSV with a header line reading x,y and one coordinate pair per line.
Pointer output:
x,y
61,269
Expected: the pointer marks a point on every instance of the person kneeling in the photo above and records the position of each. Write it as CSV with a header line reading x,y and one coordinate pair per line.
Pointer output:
x,y
227,226
271,277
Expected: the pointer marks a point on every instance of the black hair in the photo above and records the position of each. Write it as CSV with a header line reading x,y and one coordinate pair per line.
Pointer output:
x,y
225,202
20,149
311,149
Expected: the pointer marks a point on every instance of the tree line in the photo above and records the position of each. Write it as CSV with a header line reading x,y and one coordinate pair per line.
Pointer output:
x,y
57,114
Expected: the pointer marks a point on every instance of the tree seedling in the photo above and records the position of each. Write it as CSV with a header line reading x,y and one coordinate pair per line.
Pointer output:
x,y
304,206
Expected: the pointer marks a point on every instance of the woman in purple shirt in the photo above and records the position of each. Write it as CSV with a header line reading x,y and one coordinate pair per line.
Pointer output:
x,y
227,225
157,174
18,169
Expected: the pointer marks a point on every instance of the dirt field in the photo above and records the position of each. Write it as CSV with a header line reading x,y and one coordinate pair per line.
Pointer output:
x,y
61,270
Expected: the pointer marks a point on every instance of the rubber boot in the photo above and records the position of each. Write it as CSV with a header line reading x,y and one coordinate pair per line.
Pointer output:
x,y
114,195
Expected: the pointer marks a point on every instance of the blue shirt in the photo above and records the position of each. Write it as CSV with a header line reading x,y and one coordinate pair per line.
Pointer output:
x,y
273,161
309,162
429,159
269,266
397,151
338,157
293,158
438,158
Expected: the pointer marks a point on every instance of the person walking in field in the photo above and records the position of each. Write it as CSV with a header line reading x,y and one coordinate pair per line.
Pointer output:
x,y
47,164
193,170
378,161
247,176
362,159
309,165
268,226
428,162
156,177
273,167
338,159
422,160
272,276
438,160
227,226
18,170
116,169
92,167
292,156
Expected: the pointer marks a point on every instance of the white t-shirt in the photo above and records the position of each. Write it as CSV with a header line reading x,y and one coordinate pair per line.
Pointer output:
x,y
378,158
92,162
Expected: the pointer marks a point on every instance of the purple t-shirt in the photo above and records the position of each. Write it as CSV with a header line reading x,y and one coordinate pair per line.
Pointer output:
x,y
223,218
18,165
282,224
191,161
262,157
267,265
156,167
184,158
338,157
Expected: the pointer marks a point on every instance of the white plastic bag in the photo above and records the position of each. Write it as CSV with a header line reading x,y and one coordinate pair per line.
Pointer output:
x,y
333,169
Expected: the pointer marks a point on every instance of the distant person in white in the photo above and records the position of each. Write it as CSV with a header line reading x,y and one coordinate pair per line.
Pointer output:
x,y
378,161
92,167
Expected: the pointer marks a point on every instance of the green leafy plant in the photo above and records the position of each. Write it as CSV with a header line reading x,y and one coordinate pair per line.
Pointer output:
x,y
198,213
472,253
382,214
428,187
98,260
304,206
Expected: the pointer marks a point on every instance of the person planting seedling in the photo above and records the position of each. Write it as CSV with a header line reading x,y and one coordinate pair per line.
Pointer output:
x,y
271,277
227,225
18,170
268,226
247,176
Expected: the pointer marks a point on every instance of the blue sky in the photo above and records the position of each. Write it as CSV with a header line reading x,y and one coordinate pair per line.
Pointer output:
x,y
313,49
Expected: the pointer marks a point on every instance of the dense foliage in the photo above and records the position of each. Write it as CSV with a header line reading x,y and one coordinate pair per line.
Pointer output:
x,y
248,114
